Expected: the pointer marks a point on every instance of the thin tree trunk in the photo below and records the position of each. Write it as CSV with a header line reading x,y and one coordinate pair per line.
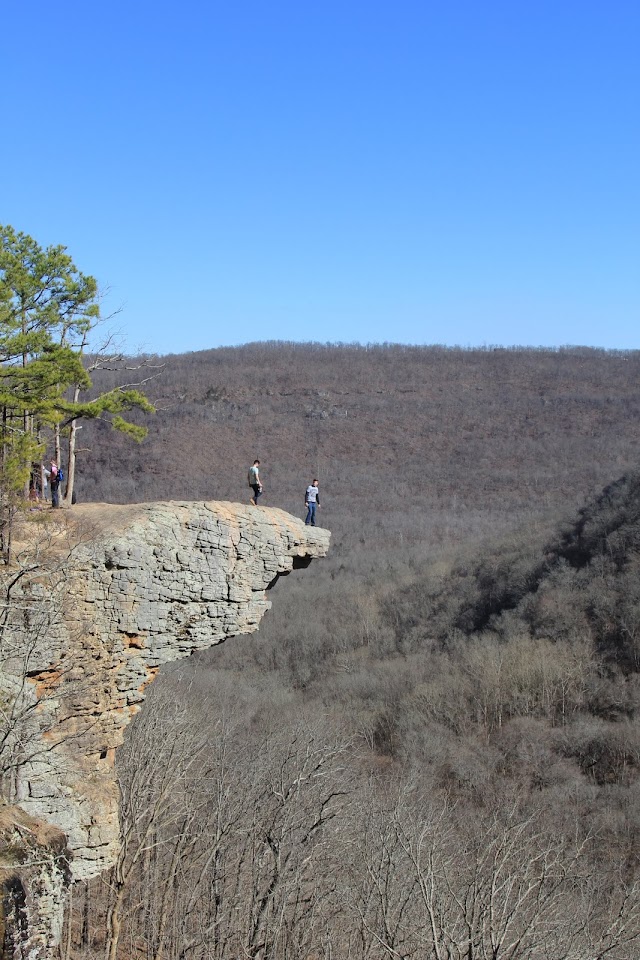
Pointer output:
x,y
71,453
69,910
84,935
166,893
113,921
58,449
71,463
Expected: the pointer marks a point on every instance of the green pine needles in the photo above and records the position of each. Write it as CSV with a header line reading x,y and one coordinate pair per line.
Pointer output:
x,y
48,309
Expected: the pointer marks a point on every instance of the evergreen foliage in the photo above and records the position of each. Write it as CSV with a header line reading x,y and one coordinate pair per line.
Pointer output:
x,y
48,308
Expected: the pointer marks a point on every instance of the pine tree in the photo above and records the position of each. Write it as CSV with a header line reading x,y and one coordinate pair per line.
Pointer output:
x,y
47,311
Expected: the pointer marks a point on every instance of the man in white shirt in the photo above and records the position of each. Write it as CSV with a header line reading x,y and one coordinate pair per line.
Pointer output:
x,y
311,501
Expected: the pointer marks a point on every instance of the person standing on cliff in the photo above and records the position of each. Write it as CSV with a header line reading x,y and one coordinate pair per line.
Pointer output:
x,y
54,480
311,501
254,482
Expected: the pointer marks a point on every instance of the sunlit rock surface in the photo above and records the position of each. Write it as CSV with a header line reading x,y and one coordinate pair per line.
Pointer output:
x,y
137,586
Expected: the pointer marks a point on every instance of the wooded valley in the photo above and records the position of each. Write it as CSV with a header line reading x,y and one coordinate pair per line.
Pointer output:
x,y
431,748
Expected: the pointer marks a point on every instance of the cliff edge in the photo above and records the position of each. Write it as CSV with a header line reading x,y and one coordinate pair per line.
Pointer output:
x,y
100,598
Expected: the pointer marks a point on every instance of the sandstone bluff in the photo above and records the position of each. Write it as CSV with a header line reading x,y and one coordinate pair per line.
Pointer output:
x,y
130,588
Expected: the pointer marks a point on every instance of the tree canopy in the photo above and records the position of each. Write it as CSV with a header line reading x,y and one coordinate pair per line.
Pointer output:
x,y
48,309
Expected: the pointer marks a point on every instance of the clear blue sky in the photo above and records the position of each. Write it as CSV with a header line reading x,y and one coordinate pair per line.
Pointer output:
x,y
461,173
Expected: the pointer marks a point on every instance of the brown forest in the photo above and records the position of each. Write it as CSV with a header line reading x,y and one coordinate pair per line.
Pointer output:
x,y
431,748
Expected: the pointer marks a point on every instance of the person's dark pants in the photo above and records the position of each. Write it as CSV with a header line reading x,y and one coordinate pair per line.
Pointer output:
x,y
311,515
257,491
55,494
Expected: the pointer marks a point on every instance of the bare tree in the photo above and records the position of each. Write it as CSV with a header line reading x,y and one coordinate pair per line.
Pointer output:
x,y
500,887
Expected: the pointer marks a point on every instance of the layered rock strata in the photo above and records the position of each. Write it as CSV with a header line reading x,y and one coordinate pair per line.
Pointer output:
x,y
129,588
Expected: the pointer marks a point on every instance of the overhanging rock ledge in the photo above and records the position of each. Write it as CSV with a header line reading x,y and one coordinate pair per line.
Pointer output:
x,y
142,585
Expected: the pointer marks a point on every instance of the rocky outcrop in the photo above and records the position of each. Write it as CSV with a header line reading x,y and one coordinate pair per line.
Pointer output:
x,y
34,874
129,588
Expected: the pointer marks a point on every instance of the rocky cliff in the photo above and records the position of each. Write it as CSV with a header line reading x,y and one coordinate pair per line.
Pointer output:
x,y
99,599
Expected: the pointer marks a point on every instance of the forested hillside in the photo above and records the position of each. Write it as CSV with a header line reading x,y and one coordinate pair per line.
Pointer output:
x,y
432,747
408,442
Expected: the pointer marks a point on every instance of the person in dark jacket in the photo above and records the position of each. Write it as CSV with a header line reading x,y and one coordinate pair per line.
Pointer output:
x,y
54,480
